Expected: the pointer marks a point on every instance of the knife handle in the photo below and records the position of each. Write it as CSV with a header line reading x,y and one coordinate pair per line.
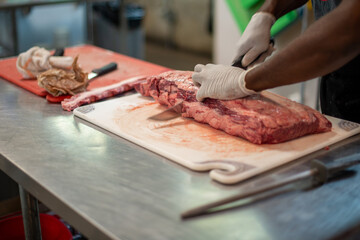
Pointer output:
x,y
327,171
59,52
238,61
105,69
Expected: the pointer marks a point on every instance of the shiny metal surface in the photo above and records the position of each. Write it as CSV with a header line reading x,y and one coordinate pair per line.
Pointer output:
x,y
109,188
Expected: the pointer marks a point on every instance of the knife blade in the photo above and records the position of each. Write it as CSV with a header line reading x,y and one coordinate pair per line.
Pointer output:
x,y
168,114
319,173
103,70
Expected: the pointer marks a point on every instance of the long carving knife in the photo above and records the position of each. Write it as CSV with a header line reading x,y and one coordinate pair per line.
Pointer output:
x,y
168,114
319,173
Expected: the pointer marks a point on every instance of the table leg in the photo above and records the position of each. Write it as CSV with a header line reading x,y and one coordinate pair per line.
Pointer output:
x,y
14,32
30,212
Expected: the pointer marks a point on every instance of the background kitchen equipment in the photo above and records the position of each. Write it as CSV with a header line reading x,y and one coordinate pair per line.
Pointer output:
x,y
123,22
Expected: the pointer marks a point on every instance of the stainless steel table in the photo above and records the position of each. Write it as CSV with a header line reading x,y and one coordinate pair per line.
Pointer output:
x,y
109,188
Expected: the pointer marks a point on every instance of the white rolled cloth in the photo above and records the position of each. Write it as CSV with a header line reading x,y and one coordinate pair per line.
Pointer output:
x,y
37,60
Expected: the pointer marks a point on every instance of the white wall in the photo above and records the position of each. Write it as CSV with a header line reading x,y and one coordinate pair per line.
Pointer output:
x,y
226,34
183,23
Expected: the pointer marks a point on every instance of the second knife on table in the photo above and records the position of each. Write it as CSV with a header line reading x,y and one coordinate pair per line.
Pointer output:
x,y
101,71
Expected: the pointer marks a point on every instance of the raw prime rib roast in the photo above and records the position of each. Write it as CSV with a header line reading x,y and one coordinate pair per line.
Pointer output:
x,y
261,118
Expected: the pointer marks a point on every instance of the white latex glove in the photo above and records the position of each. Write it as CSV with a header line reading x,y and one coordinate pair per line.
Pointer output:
x,y
255,41
262,57
37,60
220,82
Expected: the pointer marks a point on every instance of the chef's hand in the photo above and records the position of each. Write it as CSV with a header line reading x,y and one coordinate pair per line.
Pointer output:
x,y
255,41
220,82
37,60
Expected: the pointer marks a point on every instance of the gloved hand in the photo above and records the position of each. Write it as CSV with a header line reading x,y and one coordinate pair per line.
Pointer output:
x,y
37,60
220,82
255,41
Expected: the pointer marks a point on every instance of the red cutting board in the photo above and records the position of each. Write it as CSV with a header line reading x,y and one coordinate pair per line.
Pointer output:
x,y
90,57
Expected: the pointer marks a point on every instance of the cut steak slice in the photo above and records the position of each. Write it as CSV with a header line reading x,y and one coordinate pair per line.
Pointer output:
x,y
260,118
96,94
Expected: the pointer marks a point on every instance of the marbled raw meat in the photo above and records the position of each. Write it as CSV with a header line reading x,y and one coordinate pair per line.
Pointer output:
x,y
260,118
96,94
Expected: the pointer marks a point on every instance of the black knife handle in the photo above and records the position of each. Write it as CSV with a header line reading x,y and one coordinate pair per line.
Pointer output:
x,y
238,61
105,69
59,52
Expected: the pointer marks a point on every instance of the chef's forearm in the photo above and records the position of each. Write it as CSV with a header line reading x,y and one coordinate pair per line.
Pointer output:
x,y
327,45
280,7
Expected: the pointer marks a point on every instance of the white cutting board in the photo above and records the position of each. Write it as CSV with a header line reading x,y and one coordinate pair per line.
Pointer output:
x,y
200,147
